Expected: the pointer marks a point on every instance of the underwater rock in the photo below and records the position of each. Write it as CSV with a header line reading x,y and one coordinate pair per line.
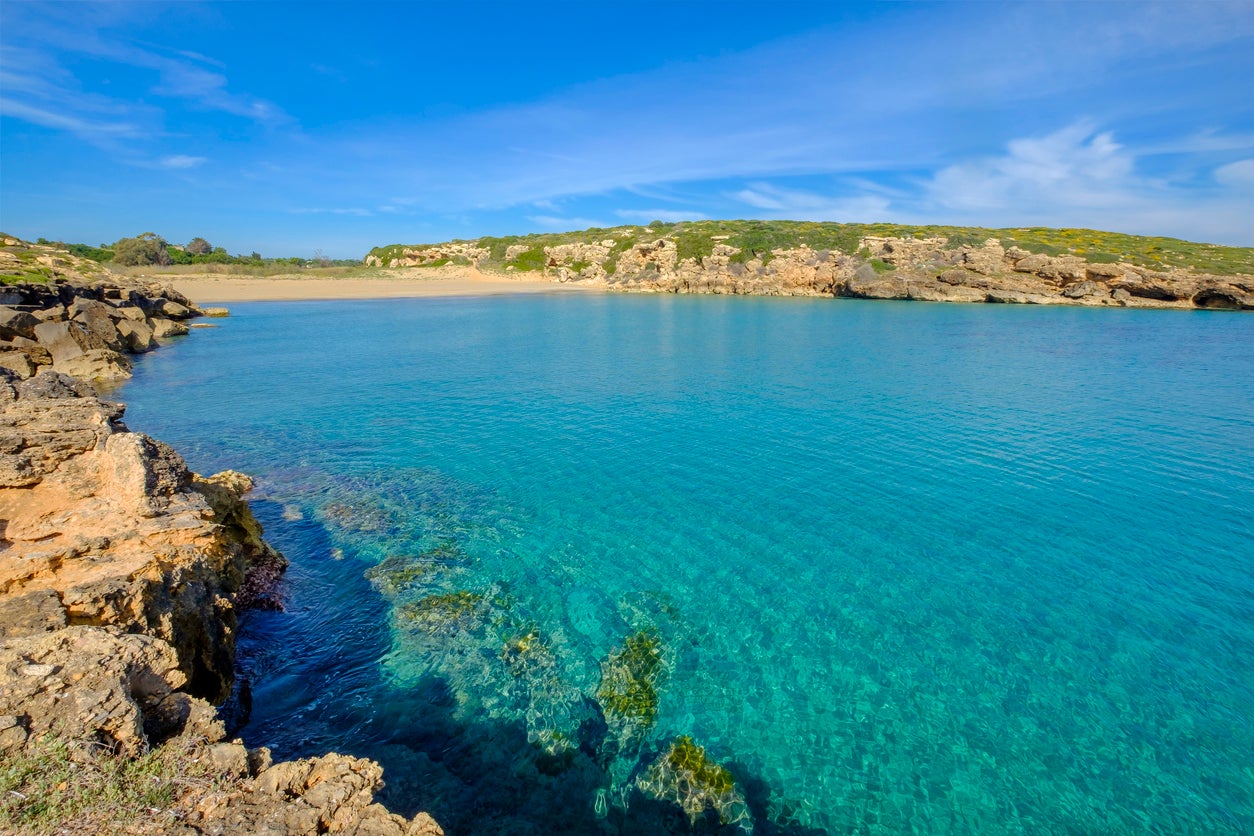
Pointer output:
x,y
685,776
443,611
630,677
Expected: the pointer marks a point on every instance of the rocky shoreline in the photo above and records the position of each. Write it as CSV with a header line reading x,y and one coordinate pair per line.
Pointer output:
x,y
917,269
121,577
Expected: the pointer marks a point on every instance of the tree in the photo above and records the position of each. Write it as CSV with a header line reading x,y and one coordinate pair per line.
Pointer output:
x,y
199,246
147,248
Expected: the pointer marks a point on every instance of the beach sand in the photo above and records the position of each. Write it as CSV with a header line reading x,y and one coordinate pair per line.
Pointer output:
x,y
386,284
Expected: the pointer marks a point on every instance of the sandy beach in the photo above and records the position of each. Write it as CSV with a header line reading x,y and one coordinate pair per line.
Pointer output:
x,y
395,284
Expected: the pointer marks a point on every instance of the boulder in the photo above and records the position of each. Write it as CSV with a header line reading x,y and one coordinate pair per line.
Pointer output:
x,y
15,323
97,364
97,318
1081,290
164,328
66,340
137,337
329,794
54,314
18,361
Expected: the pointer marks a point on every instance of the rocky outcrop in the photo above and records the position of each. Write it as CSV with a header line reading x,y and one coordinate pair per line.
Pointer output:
x,y
116,694
86,331
879,267
121,574
455,252
114,525
924,270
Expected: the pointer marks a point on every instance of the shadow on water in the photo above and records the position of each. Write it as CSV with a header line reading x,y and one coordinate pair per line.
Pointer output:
x,y
313,677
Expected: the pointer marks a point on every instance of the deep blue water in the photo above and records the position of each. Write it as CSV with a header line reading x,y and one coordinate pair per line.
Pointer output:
x,y
941,568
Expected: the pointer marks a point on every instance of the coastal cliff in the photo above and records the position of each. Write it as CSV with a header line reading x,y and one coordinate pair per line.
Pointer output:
x,y
121,576
868,261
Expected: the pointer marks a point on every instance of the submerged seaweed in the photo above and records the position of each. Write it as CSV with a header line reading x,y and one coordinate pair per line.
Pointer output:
x,y
630,677
442,611
684,775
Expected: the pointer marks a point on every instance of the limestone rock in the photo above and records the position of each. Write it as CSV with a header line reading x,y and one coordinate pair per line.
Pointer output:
x,y
136,336
18,361
90,682
165,328
66,340
15,323
96,364
330,794
97,318
116,526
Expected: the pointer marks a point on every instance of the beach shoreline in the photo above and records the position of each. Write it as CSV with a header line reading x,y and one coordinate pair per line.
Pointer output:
x,y
388,284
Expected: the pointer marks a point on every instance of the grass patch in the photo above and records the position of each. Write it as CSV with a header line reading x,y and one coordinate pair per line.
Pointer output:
x,y
59,786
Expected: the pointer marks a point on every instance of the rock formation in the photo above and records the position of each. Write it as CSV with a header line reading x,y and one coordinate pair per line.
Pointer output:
x,y
891,268
121,572
687,259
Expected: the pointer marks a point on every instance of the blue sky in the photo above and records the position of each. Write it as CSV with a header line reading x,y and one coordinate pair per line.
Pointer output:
x,y
289,128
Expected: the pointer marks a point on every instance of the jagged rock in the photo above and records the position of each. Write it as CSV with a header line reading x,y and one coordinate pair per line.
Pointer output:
x,y
1080,290
92,683
454,251
115,523
865,283
330,794
66,340
18,361
136,336
97,319
96,364
35,612
15,323
164,328
987,260
1104,272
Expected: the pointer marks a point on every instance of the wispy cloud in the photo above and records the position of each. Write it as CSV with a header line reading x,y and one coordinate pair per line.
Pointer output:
x,y
799,204
355,211
562,223
667,215
1237,175
87,128
39,86
182,161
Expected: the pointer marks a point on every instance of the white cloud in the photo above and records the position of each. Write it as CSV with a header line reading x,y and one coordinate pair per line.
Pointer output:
x,y
1081,177
1237,175
178,161
1074,166
667,215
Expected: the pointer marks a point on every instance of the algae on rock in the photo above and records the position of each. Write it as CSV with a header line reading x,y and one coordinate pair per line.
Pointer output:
x,y
686,776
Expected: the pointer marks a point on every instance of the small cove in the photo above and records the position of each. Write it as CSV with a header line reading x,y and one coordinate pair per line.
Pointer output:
x,y
933,567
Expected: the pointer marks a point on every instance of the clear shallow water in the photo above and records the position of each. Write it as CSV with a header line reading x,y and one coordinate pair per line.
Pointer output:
x,y
938,568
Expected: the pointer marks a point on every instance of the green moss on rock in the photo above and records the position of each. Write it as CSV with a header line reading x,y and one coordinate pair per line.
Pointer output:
x,y
630,677
442,611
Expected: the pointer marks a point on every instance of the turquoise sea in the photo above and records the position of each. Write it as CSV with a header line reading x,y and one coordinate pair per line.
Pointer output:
x,y
898,567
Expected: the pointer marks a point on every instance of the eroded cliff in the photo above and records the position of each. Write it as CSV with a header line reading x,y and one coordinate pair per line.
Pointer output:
x,y
1031,266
